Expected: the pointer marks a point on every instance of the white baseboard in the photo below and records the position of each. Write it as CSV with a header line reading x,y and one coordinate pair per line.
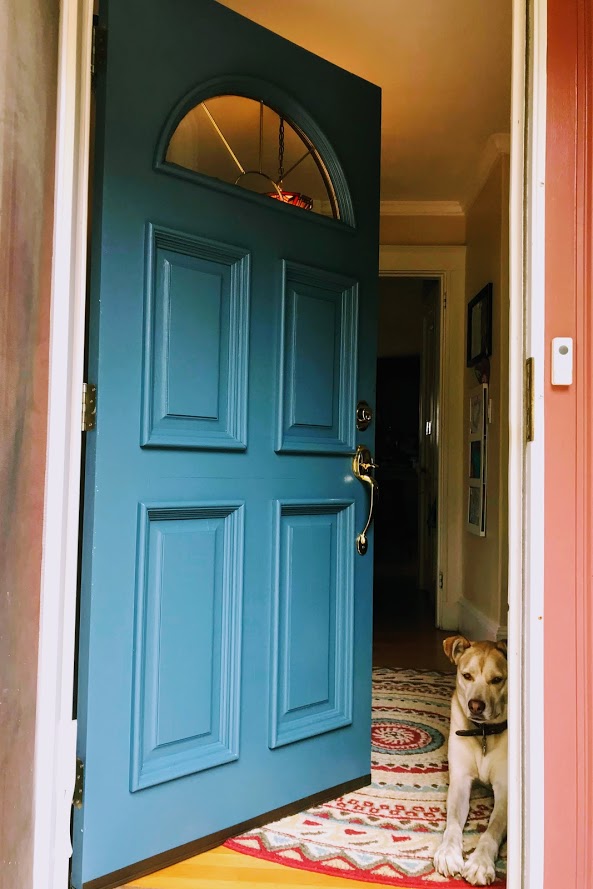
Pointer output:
x,y
474,624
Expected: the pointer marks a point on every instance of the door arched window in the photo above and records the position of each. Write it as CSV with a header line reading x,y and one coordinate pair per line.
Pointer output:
x,y
245,142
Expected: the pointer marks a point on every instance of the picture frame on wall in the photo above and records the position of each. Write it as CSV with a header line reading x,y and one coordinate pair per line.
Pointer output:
x,y
479,326
477,458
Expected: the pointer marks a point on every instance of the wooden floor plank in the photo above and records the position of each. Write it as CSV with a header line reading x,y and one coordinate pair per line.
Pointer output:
x,y
221,868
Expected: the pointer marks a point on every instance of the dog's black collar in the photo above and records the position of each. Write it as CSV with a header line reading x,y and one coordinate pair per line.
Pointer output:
x,y
482,730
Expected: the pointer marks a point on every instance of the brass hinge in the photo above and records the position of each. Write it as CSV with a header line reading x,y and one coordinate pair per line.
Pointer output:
x,y
89,406
98,48
529,400
78,784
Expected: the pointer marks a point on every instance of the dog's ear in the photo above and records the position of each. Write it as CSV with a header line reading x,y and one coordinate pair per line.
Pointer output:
x,y
502,646
454,647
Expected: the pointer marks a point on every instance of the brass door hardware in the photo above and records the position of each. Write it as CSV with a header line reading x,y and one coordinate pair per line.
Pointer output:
x,y
529,400
364,415
362,466
89,406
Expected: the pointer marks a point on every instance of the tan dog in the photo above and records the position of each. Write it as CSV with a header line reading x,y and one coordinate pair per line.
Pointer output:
x,y
477,750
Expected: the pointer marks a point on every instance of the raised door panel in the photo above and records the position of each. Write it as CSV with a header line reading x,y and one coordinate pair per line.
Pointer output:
x,y
195,343
187,667
319,361
312,623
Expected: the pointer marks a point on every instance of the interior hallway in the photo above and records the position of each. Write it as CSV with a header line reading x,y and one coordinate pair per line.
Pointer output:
x,y
408,638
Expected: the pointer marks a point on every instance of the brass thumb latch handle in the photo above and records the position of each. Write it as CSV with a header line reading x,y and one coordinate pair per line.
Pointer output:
x,y
362,465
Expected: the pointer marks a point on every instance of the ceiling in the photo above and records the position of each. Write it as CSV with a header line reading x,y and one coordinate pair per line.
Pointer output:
x,y
444,67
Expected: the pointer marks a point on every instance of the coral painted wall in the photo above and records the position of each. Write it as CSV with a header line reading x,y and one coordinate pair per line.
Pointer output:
x,y
568,560
28,59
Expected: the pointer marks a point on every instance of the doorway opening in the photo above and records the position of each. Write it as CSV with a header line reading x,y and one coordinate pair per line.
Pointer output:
x,y
406,567
451,585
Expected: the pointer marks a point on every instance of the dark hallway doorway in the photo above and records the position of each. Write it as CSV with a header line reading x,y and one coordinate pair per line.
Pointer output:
x,y
406,533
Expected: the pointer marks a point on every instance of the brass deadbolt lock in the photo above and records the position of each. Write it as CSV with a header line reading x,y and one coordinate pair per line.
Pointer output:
x,y
364,416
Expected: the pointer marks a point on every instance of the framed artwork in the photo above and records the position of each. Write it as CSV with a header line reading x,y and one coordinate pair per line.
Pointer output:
x,y
478,425
479,326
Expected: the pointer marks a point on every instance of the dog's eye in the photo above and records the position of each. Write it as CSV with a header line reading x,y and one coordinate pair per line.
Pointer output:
x,y
496,680
467,676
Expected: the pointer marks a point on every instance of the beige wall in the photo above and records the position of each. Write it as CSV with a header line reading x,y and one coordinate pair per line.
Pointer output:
x,y
485,559
481,573
419,230
28,54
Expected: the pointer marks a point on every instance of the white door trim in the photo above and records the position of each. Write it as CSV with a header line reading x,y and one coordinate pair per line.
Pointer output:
x,y
446,264
54,763
55,747
526,462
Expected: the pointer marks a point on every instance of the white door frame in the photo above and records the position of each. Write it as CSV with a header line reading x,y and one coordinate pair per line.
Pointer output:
x,y
55,729
55,743
447,265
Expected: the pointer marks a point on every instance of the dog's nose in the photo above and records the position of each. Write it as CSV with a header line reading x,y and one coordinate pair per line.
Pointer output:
x,y
476,706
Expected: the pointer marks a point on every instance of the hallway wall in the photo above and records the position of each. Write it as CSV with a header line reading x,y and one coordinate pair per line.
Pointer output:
x,y
28,65
485,559
480,577
420,230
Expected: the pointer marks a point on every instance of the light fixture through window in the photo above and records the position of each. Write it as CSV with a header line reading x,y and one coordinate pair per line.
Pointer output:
x,y
229,137
297,199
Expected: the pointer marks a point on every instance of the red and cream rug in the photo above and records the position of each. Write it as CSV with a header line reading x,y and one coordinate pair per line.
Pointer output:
x,y
387,832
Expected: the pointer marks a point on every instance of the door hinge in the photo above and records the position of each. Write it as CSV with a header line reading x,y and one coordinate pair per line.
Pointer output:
x,y
441,580
78,784
529,400
98,47
89,406
445,299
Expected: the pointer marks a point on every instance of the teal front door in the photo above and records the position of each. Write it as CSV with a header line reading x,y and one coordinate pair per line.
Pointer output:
x,y
225,626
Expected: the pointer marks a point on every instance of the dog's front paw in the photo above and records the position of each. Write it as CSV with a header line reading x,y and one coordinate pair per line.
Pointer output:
x,y
448,859
479,869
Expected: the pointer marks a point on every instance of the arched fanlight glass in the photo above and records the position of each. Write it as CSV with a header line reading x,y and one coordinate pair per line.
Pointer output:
x,y
245,142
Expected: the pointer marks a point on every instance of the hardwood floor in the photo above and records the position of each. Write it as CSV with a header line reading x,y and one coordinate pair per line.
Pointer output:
x,y
404,636
404,632
222,868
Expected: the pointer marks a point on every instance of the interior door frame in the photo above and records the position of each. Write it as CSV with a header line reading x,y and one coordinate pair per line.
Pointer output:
x,y
447,266
55,728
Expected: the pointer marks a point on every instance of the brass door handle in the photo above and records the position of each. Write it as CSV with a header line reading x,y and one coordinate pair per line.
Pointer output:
x,y
362,465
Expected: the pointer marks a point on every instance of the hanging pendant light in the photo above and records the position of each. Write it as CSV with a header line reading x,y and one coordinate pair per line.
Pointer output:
x,y
295,198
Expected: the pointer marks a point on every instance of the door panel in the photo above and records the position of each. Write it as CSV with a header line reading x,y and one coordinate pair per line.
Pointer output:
x,y
188,595
225,632
312,668
320,317
196,342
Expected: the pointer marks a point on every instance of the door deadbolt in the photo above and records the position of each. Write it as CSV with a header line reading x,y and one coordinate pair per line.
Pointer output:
x,y
364,416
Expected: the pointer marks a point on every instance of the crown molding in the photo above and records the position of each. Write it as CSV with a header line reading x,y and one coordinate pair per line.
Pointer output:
x,y
406,208
421,208
497,145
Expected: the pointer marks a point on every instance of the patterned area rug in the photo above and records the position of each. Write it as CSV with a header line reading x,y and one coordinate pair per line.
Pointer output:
x,y
387,832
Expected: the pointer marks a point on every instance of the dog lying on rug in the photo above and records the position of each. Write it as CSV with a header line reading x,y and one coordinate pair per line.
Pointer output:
x,y
477,750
